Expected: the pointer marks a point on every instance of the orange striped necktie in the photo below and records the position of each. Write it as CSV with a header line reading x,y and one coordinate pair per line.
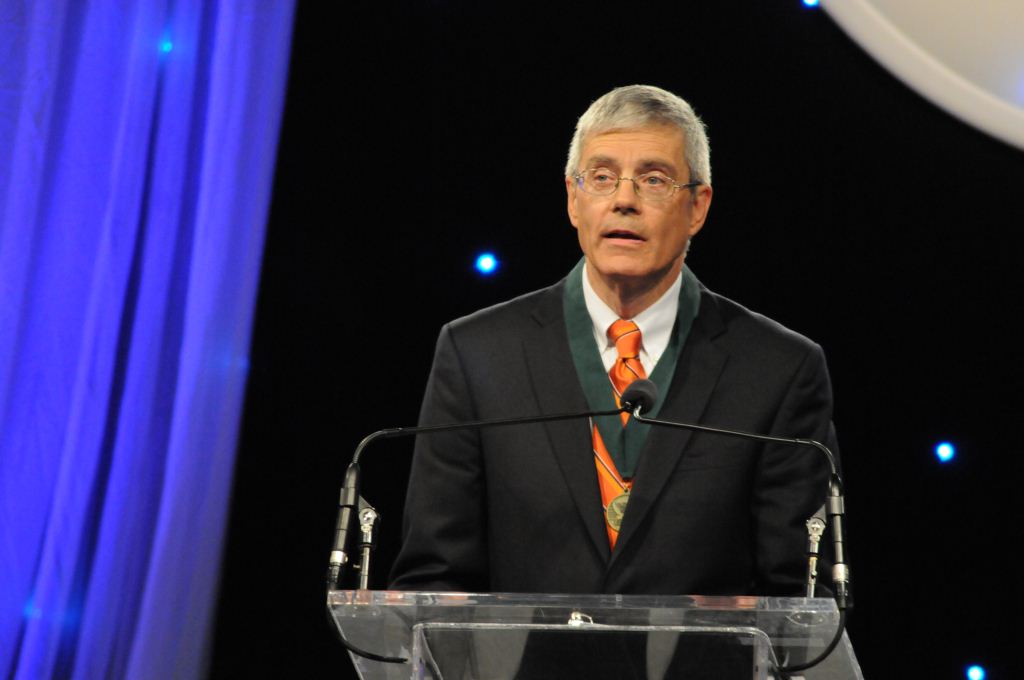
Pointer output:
x,y
627,368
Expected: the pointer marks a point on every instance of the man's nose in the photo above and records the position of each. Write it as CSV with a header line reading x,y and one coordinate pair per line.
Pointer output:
x,y
625,197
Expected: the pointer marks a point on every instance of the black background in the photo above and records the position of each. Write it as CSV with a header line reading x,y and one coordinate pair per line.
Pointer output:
x,y
845,207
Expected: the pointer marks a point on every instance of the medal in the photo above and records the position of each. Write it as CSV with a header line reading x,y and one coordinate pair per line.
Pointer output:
x,y
616,509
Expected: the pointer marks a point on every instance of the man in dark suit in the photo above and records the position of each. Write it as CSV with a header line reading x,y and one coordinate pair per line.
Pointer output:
x,y
602,507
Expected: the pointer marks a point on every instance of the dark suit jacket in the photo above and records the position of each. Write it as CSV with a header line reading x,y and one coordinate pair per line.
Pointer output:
x,y
517,508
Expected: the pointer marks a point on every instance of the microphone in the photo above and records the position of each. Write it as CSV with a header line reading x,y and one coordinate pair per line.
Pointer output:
x,y
815,530
641,395
350,502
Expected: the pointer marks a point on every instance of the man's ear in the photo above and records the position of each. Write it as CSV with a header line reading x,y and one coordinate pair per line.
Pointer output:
x,y
701,206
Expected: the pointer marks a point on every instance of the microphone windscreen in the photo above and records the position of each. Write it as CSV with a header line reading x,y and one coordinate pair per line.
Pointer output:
x,y
642,393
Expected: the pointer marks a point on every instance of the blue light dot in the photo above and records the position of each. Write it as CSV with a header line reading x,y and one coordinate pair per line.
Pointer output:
x,y
975,673
945,451
166,46
811,3
486,263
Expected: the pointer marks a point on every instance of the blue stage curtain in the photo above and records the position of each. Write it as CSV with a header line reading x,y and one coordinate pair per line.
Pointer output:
x,y
137,145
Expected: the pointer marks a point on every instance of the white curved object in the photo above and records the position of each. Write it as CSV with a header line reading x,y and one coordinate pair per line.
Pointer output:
x,y
967,57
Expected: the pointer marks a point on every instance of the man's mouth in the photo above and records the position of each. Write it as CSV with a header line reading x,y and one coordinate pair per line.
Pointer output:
x,y
624,234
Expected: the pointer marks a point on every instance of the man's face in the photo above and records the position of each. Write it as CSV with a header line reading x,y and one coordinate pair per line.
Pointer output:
x,y
628,240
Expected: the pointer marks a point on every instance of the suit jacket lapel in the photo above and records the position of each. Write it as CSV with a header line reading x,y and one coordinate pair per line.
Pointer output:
x,y
696,375
557,389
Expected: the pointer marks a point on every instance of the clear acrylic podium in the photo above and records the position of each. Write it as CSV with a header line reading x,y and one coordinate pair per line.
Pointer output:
x,y
464,636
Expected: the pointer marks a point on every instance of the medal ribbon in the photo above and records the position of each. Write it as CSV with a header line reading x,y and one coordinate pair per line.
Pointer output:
x,y
614,489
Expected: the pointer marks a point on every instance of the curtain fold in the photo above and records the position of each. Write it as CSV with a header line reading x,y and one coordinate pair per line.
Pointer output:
x,y
137,144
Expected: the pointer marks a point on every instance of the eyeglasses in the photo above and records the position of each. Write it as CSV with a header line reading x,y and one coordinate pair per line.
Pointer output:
x,y
650,185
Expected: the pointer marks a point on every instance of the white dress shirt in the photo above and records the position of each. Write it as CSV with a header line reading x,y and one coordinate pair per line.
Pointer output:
x,y
655,323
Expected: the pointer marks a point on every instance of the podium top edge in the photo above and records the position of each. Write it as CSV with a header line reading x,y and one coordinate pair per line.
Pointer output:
x,y
405,598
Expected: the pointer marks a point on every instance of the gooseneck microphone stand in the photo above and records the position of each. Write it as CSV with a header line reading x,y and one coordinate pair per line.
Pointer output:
x,y
351,505
834,509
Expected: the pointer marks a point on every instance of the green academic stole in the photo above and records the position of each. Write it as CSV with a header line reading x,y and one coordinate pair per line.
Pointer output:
x,y
624,443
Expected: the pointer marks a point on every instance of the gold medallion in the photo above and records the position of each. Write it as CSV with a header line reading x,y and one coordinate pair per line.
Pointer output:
x,y
616,509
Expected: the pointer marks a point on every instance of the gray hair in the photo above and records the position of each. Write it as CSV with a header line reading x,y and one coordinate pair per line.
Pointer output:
x,y
637,106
